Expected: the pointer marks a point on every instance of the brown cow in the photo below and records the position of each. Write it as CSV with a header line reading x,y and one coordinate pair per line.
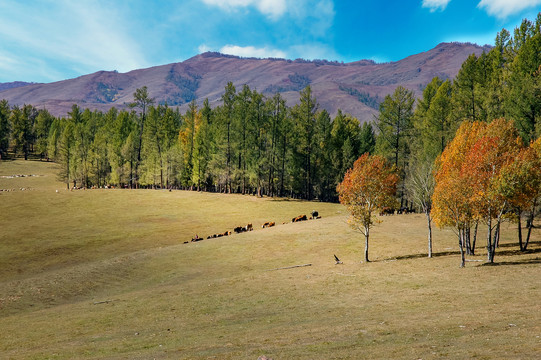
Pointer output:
x,y
265,225
197,238
387,211
271,224
249,227
299,218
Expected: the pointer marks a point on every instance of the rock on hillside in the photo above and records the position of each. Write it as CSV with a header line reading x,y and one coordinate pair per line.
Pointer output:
x,y
356,88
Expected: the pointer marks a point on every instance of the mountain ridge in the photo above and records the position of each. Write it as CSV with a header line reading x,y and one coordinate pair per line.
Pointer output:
x,y
356,87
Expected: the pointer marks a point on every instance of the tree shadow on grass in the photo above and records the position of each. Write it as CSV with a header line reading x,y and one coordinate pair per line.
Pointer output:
x,y
530,244
499,253
450,253
423,255
517,262
517,252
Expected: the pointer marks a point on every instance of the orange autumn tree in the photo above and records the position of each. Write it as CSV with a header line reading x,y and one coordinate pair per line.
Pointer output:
x,y
520,184
471,181
368,186
495,150
451,201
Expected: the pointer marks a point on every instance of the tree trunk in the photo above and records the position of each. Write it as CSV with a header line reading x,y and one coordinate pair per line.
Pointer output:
x,y
489,240
530,225
492,251
366,235
461,246
282,173
497,235
467,240
519,228
429,221
474,237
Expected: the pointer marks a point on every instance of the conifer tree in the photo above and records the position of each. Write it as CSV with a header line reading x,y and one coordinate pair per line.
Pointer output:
x,y
141,100
41,130
304,117
5,128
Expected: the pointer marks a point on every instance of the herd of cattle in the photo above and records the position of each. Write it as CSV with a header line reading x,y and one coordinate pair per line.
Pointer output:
x,y
391,211
249,227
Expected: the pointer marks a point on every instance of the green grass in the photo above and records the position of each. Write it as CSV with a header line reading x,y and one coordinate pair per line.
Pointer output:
x,y
60,253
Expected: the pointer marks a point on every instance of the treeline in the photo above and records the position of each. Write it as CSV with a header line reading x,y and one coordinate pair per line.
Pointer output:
x,y
249,145
253,144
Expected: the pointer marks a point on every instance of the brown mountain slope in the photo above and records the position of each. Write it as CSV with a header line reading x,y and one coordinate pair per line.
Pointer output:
x,y
11,85
356,87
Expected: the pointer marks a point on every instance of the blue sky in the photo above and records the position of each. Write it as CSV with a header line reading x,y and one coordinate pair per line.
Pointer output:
x,y
50,40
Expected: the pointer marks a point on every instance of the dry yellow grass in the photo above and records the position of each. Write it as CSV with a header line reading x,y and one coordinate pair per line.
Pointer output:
x,y
61,253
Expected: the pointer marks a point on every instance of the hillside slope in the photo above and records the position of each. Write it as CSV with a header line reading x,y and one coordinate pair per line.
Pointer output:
x,y
104,274
356,88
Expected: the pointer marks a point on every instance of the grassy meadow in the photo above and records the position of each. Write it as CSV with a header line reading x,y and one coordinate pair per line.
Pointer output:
x,y
94,274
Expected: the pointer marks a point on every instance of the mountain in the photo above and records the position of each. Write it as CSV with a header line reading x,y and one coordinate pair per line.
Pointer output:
x,y
356,88
12,85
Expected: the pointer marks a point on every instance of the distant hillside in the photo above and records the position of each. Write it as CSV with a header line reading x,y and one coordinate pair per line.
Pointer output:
x,y
13,85
356,88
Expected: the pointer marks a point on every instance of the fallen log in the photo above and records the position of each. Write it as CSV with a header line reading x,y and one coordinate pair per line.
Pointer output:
x,y
103,302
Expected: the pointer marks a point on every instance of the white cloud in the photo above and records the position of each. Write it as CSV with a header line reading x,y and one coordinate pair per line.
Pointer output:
x,y
203,48
91,36
271,8
503,8
435,5
313,17
251,51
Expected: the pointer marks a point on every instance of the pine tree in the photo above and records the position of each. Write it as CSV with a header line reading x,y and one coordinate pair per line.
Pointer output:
x,y
5,128
304,117
277,110
41,130
394,124
367,139
22,126
142,100
228,99
324,184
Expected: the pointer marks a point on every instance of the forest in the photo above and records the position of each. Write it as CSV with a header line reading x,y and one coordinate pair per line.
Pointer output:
x,y
252,144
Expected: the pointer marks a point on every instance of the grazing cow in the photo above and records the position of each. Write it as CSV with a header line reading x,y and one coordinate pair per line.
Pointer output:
x,y
386,211
197,238
271,224
265,225
403,210
299,218
315,214
249,227
238,229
